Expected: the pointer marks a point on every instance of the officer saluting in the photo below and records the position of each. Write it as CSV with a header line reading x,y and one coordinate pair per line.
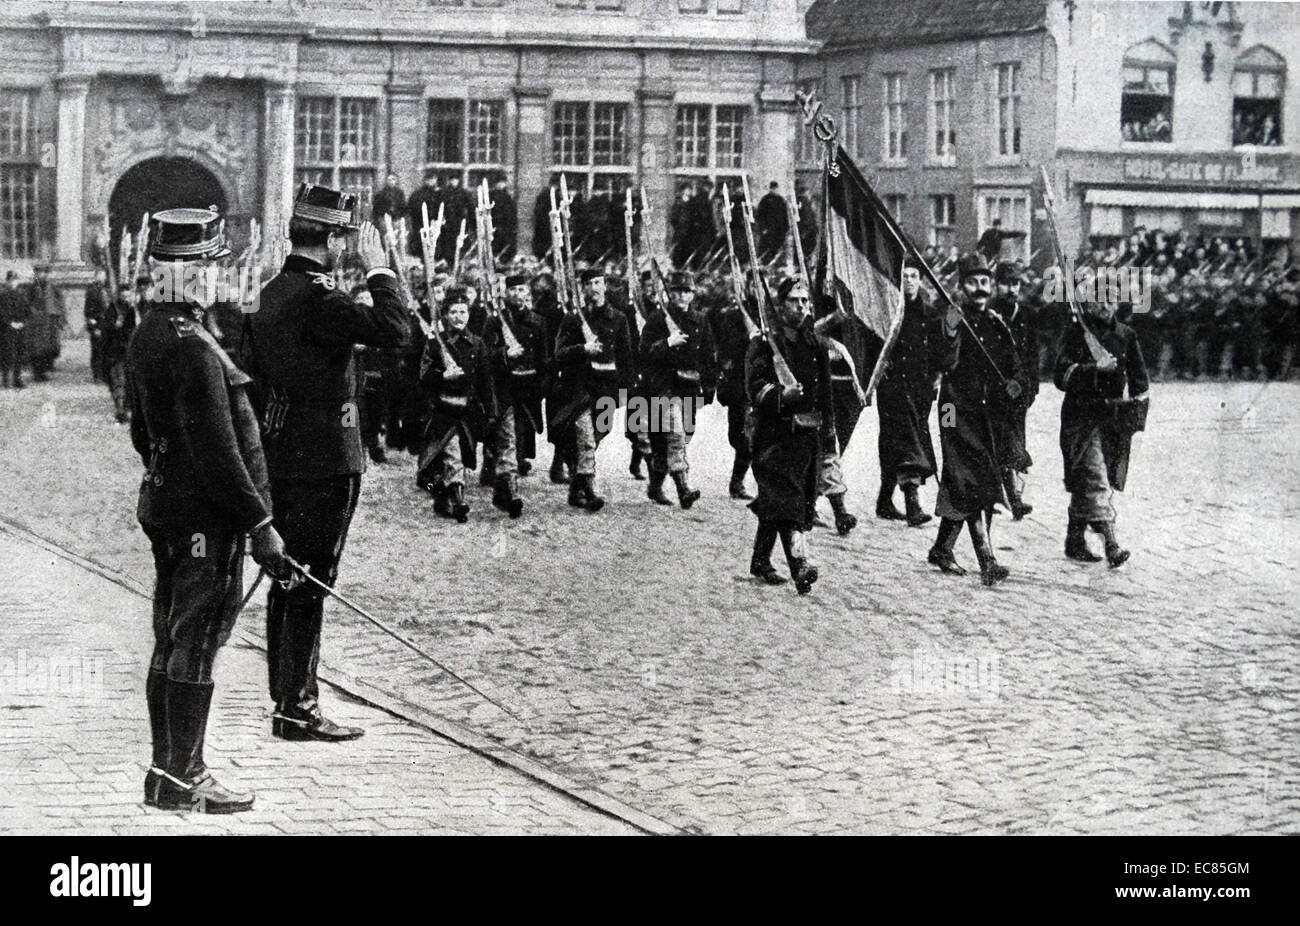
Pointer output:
x,y
206,487
299,348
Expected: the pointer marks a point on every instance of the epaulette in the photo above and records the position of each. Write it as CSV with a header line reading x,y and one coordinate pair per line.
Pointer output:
x,y
185,327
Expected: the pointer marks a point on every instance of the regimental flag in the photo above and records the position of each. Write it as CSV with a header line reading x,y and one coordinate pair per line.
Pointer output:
x,y
863,254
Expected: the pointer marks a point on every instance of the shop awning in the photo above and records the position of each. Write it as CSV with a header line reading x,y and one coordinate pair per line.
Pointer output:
x,y
1171,199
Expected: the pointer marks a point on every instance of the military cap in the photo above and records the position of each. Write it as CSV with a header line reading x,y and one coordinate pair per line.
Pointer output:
x,y
187,234
680,281
592,273
455,294
324,206
788,284
972,264
516,279
1009,272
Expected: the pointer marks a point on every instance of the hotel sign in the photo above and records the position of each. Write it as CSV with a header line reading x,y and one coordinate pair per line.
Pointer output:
x,y
1245,168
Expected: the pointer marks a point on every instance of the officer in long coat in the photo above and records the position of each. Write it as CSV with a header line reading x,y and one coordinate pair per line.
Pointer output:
x,y
300,349
206,489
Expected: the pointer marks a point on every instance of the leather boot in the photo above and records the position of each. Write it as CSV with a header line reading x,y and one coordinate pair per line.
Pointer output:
x,y
187,784
506,495
1076,542
459,509
941,554
1116,555
736,487
760,563
591,501
634,467
844,522
912,500
1018,507
885,504
655,490
991,572
686,496
155,693
441,503
557,470
804,575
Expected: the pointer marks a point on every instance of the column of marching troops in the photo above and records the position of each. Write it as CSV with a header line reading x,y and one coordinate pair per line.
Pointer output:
x,y
263,451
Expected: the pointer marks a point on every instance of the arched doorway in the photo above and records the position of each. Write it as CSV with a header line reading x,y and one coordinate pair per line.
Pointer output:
x,y
157,184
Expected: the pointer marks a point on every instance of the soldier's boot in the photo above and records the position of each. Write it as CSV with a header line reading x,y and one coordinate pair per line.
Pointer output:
x,y
885,502
736,488
590,500
655,489
634,467
1076,542
801,571
505,495
686,496
1116,555
187,784
1018,507
376,452
557,470
441,501
916,516
760,563
844,521
941,554
155,693
991,572
459,508
525,466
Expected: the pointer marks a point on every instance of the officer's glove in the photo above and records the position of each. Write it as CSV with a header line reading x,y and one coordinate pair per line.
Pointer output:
x,y
677,340
268,552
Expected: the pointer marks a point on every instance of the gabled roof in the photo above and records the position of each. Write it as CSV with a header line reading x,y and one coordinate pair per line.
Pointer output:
x,y
845,23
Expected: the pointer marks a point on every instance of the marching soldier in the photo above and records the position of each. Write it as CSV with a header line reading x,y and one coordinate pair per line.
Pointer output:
x,y
981,367
732,336
459,380
903,398
14,312
678,365
299,348
96,310
528,376
1023,325
853,351
791,428
638,438
206,489
589,370
1096,426
117,326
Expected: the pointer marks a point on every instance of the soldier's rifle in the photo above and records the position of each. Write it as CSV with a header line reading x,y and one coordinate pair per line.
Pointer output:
x,y
737,275
801,264
432,331
457,252
566,240
141,248
429,235
1095,348
250,266
488,260
782,369
634,293
105,254
557,258
663,301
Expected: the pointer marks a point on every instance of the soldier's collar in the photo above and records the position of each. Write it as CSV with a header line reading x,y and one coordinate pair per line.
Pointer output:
x,y
303,264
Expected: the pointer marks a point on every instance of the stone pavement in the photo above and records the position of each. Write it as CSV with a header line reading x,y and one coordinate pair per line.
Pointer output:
x,y
74,744
1071,699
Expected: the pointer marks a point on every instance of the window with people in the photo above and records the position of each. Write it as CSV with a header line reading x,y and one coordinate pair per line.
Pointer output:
x,y
1147,101
1258,82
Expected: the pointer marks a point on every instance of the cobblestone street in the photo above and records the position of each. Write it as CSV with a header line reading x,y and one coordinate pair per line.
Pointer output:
x,y
649,667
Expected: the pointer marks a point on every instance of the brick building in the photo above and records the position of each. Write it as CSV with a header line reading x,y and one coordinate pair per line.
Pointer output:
x,y
114,109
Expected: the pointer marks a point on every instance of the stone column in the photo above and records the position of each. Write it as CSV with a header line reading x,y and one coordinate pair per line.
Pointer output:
x,y
277,177
774,141
406,126
70,166
656,162
532,156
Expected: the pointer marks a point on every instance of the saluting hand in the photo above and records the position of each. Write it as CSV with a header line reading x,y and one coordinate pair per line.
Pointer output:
x,y
370,248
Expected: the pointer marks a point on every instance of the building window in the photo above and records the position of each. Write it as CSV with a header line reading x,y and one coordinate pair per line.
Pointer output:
x,y
943,136
589,145
1275,223
1146,110
1007,112
464,138
334,144
894,203
1012,208
710,139
808,149
851,110
943,208
1257,85
731,6
19,174
895,130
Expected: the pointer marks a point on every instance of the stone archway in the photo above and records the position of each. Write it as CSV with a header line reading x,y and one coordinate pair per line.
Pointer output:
x,y
161,183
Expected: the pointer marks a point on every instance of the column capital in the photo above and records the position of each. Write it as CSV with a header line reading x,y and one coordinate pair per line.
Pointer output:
x,y
73,82
405,91
535,95
656,93
777,99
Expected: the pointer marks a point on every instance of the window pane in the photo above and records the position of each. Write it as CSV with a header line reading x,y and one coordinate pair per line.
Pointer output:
x,y
356,131
17,123
1269,85
18,188
485,132
442,143
730,137
693,6
1158,80
360,183
731,6
611,185
314,130
569,134
609,136
692,136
